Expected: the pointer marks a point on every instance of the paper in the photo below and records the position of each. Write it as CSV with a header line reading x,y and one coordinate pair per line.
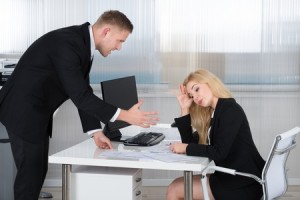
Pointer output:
x,y
122,155
160,153
171,157
162,147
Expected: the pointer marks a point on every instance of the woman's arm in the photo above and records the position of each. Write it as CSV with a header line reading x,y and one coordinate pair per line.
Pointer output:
x,y
185,129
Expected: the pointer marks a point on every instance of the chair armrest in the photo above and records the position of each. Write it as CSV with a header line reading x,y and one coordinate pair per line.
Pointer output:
x,y
230,171
224,170
220,169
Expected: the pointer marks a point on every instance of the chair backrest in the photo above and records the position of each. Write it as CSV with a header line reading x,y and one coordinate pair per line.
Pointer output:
x,y
274,173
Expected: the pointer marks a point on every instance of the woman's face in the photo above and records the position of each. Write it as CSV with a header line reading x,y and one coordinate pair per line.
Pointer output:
x,y
201,94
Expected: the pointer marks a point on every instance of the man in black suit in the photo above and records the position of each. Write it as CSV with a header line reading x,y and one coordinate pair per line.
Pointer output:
x,y
53,69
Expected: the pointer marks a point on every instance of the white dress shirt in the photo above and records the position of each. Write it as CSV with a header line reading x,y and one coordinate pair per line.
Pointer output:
x,y
93,48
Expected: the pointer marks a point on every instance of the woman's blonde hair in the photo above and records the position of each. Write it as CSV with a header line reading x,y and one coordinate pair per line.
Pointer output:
x,y
201,116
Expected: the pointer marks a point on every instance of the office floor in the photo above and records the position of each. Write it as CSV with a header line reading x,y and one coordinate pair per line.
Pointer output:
x,y
159,193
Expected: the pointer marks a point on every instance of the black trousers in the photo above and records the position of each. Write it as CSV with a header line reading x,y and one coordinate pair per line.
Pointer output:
x,y
31,160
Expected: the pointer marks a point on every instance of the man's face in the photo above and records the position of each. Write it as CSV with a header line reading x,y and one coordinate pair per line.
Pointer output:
x,y
111,38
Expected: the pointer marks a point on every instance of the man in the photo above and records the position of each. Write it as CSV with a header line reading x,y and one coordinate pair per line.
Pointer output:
x,y
53,69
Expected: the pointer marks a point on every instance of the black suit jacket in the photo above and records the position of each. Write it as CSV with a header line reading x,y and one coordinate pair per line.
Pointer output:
x,y
53,69
231,146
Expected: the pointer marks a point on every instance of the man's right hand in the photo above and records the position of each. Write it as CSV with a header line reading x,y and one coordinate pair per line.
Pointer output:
x,y
137,117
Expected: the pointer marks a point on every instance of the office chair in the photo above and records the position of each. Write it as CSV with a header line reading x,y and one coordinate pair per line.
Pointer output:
x,y
274,177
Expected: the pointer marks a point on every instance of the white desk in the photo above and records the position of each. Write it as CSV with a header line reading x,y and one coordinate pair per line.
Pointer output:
x,y
86,153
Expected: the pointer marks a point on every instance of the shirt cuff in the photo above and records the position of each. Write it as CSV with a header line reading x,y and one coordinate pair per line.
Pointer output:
x,y
91,132
116,115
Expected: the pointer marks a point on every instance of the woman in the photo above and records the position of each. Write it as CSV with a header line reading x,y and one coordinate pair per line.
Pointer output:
x,y
222,134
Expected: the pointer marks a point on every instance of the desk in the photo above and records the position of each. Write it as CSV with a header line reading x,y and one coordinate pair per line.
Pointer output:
x,y
86,153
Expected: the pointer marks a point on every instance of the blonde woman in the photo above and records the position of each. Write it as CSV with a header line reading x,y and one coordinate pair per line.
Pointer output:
x,y
222,134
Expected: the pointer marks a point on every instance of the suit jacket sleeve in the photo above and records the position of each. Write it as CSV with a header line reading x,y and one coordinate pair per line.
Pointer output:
x,y
88,122
185,129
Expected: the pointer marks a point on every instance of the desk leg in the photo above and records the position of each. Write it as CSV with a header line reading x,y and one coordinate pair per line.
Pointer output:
x,y
188,185
66,177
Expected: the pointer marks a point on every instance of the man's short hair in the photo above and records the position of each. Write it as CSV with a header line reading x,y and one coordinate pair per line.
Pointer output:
x,y
115,18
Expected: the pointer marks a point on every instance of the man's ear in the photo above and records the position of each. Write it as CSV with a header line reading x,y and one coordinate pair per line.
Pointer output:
x,y
106,31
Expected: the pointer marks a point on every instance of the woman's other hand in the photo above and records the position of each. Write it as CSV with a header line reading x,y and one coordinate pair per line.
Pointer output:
x,y
178,147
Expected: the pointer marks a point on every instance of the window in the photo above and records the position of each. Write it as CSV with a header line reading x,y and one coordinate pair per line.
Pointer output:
x,y
243,42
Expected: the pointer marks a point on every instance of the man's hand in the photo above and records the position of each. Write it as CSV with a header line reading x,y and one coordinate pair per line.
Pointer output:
x,y
137,117
102,141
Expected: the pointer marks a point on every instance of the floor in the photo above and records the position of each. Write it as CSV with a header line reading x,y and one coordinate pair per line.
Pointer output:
x,y
159,193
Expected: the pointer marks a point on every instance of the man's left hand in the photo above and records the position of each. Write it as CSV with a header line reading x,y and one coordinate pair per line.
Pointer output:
x,y
102,141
